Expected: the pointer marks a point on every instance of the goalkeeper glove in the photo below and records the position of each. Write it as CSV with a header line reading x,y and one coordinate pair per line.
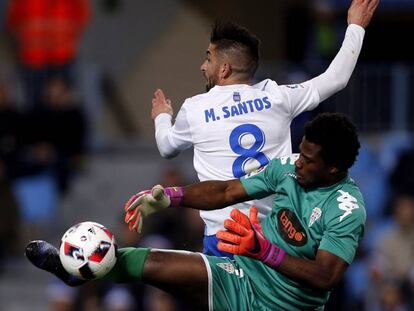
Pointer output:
x,y
244,236
147,202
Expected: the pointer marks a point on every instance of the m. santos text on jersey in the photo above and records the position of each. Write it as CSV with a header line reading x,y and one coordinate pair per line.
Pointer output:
x,y
240,108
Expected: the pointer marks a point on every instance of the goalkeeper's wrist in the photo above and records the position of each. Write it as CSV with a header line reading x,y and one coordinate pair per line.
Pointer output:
x,y
273,256
176,195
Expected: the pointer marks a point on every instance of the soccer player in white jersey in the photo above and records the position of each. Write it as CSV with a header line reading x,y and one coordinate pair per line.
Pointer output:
x,y
236,126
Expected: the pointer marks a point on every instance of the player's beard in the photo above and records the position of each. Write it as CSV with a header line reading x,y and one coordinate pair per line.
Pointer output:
x,y
209,84
211,81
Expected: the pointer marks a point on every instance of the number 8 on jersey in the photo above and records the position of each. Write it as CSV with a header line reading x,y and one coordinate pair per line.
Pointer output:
x,y
253,152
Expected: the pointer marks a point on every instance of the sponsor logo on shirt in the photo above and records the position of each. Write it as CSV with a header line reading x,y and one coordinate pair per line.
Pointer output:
x,y
290,228
240,108
347,203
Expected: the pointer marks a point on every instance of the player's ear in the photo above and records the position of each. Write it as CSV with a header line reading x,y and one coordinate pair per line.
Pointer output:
x,y
225,71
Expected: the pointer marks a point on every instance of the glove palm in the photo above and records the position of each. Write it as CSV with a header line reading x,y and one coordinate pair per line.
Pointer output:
x,y
145,203
244,236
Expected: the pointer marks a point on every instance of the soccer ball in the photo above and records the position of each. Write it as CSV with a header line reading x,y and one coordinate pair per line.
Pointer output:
x,y
88,250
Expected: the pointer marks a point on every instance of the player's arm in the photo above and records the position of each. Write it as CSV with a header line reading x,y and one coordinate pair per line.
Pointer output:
x,y
211,195
336,77
244,236
207,195
171,139
322,273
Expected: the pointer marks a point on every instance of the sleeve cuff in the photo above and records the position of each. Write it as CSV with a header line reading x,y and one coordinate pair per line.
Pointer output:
x,y
163,118
358,28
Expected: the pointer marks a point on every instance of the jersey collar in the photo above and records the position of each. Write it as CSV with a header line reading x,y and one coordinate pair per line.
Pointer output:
x,y
230,87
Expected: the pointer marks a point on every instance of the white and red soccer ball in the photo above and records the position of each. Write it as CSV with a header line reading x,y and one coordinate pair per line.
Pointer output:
x,y
88,250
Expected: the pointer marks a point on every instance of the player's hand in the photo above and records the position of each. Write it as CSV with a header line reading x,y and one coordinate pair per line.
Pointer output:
x,y
241,238
244,236
361,12
160,104
145,203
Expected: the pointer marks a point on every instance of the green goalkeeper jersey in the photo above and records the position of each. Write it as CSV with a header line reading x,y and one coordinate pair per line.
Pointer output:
x,y
302,222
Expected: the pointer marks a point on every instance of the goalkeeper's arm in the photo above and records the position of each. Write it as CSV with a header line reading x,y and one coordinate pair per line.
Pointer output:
x,y
207,195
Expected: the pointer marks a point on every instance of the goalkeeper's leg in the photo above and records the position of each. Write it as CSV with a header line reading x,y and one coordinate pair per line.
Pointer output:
x,y
182,274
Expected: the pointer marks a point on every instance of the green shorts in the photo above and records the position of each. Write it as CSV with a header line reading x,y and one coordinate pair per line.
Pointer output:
x,y
229,289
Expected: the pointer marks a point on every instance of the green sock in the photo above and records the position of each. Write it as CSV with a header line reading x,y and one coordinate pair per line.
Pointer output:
x,y
129,265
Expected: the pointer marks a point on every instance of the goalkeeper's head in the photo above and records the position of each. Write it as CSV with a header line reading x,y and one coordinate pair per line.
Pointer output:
x,y
338,138
328,149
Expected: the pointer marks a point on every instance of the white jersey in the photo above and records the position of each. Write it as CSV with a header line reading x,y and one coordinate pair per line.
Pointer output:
x,y
236,129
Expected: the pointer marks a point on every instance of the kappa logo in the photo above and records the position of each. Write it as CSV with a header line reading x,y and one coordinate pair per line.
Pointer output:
x,y
347,203
290,228
230,269
289,159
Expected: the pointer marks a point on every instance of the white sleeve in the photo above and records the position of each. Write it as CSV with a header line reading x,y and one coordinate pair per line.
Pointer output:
x,y
336,77
171,139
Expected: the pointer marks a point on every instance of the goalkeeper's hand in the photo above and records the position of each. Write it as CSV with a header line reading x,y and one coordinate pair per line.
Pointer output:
x,y
147,202
244,236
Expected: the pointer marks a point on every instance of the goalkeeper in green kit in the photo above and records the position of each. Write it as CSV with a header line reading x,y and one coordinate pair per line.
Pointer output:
x,y
289,261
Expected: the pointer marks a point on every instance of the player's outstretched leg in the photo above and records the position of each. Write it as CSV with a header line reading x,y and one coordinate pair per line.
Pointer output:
x,y
46,257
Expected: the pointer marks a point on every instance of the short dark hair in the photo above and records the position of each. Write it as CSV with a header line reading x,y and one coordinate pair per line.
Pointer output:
x,y
228,37
337,136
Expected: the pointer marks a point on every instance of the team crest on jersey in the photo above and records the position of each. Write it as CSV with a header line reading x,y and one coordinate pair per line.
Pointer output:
x,y
230,269
236,97
255,172
290,228
316,214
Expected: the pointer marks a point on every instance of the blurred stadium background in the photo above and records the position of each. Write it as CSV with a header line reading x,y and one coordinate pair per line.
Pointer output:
x,y
94,146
